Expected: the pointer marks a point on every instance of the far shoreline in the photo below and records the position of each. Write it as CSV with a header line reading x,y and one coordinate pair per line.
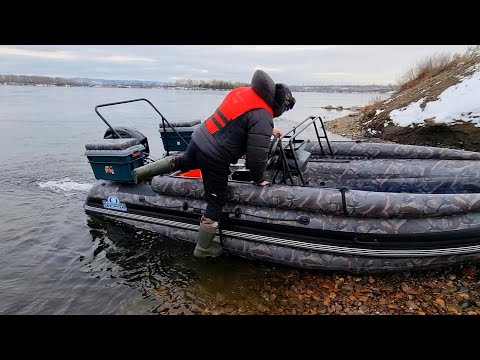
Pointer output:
x,y
306,89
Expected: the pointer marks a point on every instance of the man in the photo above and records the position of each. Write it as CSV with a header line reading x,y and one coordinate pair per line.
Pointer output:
x,y
241,125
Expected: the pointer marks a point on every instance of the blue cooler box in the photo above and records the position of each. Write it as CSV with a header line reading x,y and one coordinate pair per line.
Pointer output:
x,y
172,140
115,159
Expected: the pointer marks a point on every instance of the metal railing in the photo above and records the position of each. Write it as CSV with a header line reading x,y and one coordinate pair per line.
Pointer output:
x,y
164,120
294,145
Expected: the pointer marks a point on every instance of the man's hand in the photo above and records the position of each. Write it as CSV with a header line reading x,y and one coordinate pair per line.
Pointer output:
x,y
263,183
277,132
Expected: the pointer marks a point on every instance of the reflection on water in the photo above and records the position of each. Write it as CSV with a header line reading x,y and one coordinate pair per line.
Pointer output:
x,y
165,272
146,262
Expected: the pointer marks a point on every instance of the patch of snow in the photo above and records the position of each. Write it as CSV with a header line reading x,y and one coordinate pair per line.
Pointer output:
x,y
373,131
460,102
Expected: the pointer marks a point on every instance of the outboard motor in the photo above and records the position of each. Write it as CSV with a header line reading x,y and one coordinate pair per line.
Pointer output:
x,y
125,132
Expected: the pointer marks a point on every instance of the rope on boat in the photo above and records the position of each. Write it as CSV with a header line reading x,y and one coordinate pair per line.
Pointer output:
x,y
343,190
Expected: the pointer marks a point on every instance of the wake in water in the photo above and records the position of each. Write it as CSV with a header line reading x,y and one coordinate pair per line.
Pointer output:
x,y
65,185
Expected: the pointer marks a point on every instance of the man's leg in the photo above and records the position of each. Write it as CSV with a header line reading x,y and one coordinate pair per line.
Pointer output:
x,y
168,164
215,183
188,160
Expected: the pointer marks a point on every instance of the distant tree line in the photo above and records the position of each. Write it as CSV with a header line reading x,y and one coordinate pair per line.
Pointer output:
x,y
36,80
213,84
58,81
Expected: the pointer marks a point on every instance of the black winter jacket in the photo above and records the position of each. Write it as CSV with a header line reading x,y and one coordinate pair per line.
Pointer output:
x,y
249,134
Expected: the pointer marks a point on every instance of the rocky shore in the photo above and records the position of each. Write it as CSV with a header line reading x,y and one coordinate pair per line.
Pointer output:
x,y
348,126
453,290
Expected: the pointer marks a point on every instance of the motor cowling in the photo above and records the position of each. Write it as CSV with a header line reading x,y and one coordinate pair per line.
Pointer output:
x,y
126,132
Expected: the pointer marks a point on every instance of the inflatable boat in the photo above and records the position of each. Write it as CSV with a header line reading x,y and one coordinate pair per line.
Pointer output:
x,y
331,205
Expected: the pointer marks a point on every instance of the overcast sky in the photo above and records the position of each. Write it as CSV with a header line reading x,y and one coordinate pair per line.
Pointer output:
x,y
290,64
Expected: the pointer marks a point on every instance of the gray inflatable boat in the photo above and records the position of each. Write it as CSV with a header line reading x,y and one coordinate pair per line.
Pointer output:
x,y
332,205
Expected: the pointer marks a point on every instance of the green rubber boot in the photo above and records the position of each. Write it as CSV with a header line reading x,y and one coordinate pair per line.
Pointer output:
x,y
166,165
206,247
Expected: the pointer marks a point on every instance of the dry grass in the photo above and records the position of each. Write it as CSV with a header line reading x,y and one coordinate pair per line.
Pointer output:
x,y
369,110
376,100
425,69
434,65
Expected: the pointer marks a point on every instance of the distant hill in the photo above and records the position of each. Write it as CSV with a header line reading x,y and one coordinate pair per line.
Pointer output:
x,y
89,82
106,82
344,88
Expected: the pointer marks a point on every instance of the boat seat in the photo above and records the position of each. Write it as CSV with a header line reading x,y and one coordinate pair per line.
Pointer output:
x,y
186,123
112,144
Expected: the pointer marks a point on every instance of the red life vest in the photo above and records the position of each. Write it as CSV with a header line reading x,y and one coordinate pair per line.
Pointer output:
x,y
237,102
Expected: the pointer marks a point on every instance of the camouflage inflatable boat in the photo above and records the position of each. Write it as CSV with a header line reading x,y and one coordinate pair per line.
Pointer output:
x,y
352,206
